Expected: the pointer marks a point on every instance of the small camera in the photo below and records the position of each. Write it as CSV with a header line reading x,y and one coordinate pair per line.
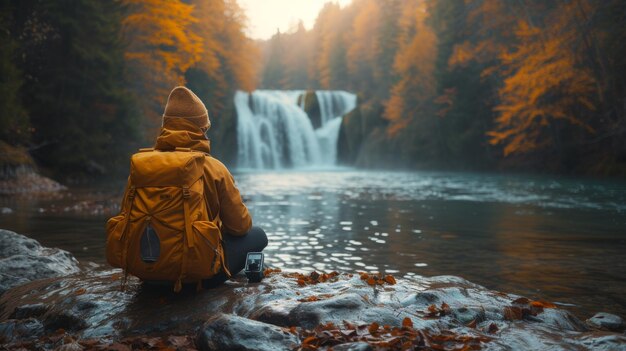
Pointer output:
x,y
254,267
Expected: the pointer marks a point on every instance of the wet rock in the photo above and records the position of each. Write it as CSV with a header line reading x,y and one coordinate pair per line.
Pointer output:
x,y
23,260
66,320
28,311
25,329
606,321
422,298
89,304
335,309
467,315
230,332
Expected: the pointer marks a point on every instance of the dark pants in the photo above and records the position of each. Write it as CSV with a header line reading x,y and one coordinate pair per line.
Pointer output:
x,y
236,249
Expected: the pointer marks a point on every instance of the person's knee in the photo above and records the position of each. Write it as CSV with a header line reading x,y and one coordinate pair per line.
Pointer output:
x,y
260,237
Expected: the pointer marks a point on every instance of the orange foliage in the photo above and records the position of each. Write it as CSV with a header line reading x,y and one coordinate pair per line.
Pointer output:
x,y
229,57
313,277
544,82
160,47
378,279
415,65
406,337
166,38
362,49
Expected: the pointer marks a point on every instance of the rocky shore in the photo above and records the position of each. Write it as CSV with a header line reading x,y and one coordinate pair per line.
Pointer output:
x,y
50,301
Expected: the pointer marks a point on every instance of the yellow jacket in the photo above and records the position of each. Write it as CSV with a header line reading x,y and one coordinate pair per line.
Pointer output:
x,y
223,199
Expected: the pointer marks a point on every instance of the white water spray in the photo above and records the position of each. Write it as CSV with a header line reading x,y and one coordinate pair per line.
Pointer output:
x,y
273,130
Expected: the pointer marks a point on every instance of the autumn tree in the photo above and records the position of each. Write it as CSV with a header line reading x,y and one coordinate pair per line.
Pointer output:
x,y
228,58
363,47
543,86
160,47
414,65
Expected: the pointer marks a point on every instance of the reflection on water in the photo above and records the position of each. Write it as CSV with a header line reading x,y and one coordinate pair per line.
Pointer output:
x,y
562,240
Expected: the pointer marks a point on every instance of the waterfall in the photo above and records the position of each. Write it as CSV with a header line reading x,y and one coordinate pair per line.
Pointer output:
x,y
274,131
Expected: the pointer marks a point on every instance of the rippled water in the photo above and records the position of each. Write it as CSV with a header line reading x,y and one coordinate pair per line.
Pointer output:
x,y
558,239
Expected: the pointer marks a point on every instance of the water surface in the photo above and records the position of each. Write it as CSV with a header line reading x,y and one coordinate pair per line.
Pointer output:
x,y
562,240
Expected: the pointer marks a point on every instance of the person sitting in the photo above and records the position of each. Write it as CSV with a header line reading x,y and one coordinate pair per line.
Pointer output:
x,y
166,230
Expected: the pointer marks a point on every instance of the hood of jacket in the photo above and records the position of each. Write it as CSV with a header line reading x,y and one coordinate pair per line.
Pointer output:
x,y
181,132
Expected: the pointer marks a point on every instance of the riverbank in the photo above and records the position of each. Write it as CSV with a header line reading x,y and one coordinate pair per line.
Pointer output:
x,y
80,306
18,173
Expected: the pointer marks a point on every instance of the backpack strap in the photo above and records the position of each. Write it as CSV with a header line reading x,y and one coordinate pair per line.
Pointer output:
x,y
146,149
188,241
183,149
129,206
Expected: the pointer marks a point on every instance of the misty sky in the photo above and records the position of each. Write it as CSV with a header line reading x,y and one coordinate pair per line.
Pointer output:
x,y
266,15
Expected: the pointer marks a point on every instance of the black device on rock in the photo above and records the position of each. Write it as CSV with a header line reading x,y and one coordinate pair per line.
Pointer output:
x,y
254,267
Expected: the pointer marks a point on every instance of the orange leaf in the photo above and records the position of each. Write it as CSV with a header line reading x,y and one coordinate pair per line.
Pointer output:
x,y
493,328
373,327
308,340
407,322
544,304
371,281
390,279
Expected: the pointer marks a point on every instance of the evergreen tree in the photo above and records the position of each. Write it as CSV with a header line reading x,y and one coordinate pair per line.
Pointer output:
x,y
75,93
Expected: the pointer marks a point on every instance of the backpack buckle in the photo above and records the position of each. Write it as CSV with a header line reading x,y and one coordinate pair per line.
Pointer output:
x,y
186,193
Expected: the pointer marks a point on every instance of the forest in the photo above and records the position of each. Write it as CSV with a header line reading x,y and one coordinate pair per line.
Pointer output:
x,y
84,82
477,84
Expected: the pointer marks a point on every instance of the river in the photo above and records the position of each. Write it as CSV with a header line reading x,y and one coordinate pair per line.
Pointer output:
x,y
558,239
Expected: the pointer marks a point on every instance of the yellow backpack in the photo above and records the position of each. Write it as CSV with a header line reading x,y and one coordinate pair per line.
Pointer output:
x,y
164,231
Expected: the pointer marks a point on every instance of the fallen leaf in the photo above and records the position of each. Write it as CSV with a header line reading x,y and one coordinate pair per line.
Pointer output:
x,y
407,322
543,304
390,279
373,327
309,299
493,328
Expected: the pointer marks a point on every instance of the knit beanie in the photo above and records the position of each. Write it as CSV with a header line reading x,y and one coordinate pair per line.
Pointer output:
x,y
183,103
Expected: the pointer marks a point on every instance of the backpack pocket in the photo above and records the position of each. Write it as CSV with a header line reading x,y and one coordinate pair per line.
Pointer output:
x,y
205,257
114,243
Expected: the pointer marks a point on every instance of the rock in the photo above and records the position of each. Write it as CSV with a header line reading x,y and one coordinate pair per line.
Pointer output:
x,y
606,321
29,311
277,313
23,260
467,315
334,309
230,332
25,329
